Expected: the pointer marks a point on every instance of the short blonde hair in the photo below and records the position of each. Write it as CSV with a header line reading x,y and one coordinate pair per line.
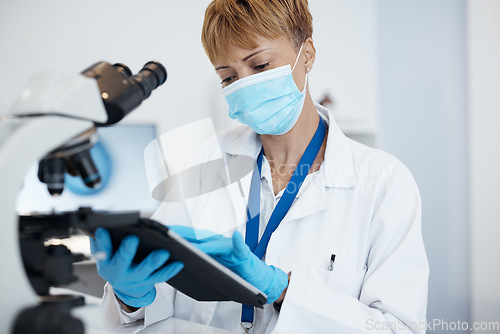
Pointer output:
x,y
239,22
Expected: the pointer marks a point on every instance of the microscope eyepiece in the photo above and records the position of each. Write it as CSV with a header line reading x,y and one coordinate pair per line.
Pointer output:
x,y
122,92
152,75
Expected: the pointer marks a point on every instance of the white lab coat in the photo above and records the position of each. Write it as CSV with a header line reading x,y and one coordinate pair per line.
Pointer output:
x,y
362,205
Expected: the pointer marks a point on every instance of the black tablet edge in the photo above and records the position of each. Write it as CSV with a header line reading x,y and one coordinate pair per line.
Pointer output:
x,y
215,264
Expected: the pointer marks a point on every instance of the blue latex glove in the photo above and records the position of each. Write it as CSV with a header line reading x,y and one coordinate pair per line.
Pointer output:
x,y
133,283
237,256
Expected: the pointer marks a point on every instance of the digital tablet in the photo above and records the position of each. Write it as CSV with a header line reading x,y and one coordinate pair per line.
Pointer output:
x,y
202,278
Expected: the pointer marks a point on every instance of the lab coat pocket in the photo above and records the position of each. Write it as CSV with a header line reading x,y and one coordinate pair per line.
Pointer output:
x,y
343,280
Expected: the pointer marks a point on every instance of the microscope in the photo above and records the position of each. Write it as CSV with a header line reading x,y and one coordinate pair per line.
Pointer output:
x,y
54,122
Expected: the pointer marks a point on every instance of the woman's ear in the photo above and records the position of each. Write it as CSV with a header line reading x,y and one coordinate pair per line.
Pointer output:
x,y
310,53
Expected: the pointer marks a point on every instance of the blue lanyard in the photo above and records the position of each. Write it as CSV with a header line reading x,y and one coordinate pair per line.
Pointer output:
x,y
281,209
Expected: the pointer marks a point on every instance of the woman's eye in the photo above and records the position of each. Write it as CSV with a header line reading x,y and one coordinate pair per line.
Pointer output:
x,y
227,80
261,67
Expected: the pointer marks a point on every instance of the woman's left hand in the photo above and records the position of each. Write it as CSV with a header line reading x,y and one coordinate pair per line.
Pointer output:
x,y
237,256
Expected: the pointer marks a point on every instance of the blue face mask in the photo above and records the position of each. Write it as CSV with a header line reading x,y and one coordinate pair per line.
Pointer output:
x,y
268,102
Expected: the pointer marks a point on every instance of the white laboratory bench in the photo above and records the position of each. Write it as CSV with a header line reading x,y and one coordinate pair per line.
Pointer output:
x,y
95,323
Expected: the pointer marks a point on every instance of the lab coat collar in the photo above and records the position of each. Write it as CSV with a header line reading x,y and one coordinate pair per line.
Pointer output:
x,y
247,144
337,169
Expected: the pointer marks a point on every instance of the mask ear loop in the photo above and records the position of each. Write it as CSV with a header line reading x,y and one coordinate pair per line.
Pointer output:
x,y
298,55
305,84
307,70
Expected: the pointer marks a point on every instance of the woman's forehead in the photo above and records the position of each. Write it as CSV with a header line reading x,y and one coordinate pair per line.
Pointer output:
x,y
239,53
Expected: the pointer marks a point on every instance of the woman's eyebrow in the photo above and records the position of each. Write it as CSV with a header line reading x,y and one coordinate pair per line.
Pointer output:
x,y
244,59
253,54
221,67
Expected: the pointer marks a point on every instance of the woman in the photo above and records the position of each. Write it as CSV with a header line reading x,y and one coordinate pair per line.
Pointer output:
x,y
346,253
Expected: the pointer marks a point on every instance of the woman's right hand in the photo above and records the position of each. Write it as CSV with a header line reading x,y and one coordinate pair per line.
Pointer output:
x,y
133,283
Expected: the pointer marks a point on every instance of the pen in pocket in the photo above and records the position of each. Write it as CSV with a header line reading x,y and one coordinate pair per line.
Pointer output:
x,y
332,262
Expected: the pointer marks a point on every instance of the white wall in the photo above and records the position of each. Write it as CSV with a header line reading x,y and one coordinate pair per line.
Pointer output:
x,y
38,35
345,36
484,145
423,118
72,35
